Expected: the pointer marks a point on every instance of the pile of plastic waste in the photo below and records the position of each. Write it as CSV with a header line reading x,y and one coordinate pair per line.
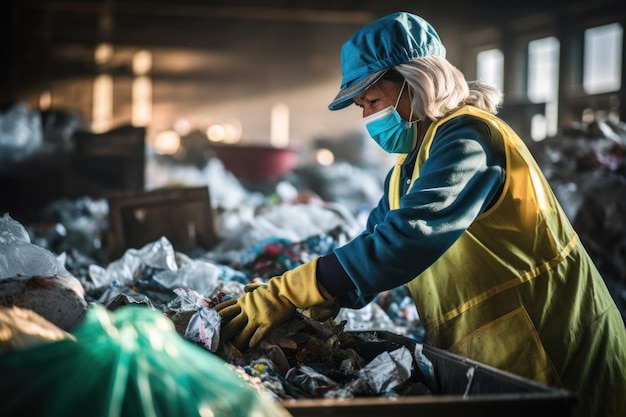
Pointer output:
x,y
300,359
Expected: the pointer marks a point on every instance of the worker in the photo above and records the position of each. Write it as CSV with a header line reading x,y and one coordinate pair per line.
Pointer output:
x,y
467,222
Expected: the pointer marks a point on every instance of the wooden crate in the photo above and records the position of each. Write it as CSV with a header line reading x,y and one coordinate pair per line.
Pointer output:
x,y
113,161
182,214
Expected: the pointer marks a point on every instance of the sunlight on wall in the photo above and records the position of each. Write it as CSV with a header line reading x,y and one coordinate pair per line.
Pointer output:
x,y
102,103
142,101
279,128
142,89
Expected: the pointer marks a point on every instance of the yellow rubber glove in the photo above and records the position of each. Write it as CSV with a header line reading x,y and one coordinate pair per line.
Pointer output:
x,y
321,312
247,319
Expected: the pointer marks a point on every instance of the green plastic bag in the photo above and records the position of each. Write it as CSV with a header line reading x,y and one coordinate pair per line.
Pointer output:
x,y
130,362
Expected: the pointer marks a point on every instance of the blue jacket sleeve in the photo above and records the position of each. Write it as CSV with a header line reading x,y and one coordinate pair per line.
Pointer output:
x,y
461,177
378,213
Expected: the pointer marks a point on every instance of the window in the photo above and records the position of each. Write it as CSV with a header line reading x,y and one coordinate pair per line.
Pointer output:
x,y
602,67
490,67
543,84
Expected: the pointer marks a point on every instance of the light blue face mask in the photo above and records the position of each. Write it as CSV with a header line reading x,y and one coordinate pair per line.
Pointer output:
x,y
389,130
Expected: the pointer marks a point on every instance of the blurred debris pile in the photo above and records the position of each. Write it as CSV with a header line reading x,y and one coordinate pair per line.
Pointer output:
x,y
25,132
49,155
586,166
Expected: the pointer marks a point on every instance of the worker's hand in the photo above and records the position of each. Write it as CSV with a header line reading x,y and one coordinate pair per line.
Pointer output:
x,y
320,312
247,319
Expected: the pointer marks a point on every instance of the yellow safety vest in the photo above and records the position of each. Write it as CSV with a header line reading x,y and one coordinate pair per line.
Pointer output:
x,y
517,290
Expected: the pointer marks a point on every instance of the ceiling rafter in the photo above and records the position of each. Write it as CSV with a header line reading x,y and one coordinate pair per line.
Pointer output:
x,y
256,13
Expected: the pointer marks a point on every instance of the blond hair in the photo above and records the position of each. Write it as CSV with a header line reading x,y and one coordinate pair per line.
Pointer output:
x,y
437,88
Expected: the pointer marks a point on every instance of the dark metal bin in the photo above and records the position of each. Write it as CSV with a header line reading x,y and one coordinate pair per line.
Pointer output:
x,y
466,389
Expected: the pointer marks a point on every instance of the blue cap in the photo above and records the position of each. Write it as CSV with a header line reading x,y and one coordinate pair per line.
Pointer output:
x,y
391,40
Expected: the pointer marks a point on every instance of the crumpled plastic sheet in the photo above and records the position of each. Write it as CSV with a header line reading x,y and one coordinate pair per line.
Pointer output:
x,y
204,328
158,268
291,222
388,370
470,379
389,317
158,256
200,275
204,325
314,383
426,367
18,256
